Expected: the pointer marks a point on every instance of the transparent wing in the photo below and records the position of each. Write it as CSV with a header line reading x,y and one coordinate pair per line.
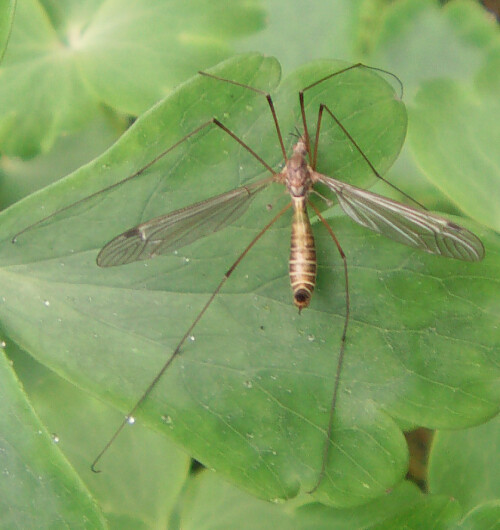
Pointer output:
x,y
416,228
174,230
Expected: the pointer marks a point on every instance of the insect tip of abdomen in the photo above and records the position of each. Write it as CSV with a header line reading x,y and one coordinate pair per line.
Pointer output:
x,y
301,299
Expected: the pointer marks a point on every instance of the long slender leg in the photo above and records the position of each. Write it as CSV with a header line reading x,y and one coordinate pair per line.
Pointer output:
x,y
340,361
303,110
269,102
354,143
177,349
312,159
212,121
313,156
357,65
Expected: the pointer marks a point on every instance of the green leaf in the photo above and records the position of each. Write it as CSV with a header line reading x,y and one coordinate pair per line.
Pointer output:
x,y
451,91
211,503
250,394
486,515
144,474
404,507
456,38
39,489
19,178
6,16
67,60
454,136
287,19
464,464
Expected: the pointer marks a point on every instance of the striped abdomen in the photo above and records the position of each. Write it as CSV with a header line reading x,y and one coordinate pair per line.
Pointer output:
x,y
302,255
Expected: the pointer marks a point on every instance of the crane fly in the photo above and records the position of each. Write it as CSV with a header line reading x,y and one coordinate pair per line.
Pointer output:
x,y
405,224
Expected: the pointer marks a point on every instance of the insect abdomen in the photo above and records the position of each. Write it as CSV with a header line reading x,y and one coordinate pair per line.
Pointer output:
x,y
302,265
